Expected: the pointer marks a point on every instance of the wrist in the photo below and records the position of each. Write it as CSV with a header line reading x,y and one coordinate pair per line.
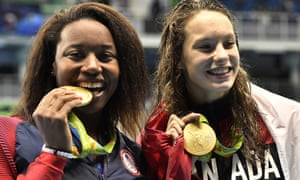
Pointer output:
x,y
57,152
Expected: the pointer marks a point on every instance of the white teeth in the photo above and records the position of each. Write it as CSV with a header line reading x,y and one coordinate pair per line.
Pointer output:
x,y
91,84
220,70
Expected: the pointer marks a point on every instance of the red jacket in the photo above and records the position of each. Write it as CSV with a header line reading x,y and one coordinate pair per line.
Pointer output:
x,y
161,153
46,166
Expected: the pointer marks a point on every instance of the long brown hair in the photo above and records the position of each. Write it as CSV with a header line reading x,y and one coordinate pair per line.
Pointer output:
x,y
128,102
170,79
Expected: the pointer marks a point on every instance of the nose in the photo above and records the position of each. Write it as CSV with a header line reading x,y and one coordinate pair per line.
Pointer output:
x,y
92,64
220,53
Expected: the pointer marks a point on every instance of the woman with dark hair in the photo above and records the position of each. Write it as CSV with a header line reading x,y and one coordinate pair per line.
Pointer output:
x,y
83,98
209,121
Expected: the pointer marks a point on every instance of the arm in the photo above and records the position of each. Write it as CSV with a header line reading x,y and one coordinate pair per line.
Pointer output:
x,y
51,120
45,166
163,146
155,144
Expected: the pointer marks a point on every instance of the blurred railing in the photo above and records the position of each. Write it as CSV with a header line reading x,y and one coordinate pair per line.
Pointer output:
x,y
269,31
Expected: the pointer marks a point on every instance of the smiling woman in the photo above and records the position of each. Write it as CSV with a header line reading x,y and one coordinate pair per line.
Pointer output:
x,y
85,76
89,62
215,41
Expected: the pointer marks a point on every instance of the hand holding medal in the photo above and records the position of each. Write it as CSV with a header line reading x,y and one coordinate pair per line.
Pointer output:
x,y
85,94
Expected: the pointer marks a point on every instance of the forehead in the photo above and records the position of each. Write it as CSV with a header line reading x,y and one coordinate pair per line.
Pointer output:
x,y
209,21
85,29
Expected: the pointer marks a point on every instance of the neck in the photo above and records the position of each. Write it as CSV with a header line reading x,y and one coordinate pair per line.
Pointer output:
x,y
92,122
214,111
206,98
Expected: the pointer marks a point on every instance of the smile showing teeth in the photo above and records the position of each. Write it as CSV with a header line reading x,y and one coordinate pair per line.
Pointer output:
x,y
219,71
91,85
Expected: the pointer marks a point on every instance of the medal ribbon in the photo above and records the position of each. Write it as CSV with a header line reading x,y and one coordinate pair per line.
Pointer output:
x,y
237,141
88,144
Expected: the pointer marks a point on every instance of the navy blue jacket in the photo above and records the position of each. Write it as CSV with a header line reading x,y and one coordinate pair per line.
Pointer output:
x,y
125,162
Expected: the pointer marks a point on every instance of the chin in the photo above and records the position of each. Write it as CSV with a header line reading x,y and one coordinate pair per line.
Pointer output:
x,y
91,108
224,87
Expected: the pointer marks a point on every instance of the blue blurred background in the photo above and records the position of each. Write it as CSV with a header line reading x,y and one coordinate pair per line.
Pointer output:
x,y
269,32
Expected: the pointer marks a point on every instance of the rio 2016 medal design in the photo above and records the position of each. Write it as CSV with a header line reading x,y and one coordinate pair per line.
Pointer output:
x,y
199,138
84,93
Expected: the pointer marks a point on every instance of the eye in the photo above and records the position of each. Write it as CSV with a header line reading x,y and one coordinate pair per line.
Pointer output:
x,y
228,44
75,55
106,56
206,47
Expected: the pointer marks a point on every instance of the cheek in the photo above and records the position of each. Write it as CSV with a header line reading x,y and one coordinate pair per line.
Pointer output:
x,y
113,73
60,78
194,73
195,65
235,56
64,74
235,61
116,77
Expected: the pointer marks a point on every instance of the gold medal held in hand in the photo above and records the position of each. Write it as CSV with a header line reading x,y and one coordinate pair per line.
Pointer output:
x,y
199,137
85,94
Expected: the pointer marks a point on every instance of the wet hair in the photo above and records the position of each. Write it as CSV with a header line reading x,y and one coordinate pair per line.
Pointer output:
x,y
170,79
127,104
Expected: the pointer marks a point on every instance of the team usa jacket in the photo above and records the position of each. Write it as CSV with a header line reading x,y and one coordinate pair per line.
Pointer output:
x,y
21,157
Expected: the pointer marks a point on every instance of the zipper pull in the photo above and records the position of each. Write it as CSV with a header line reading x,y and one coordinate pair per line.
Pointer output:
x,y
100,170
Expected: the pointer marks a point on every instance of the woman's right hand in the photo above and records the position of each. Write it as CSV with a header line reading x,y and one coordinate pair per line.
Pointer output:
x,y
50,117
176,124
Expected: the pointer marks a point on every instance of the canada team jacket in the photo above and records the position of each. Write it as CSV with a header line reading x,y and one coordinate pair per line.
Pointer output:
x,y
281,117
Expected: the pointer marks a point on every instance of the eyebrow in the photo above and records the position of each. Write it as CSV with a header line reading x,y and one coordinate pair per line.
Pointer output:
x,y
201,40
227,36
104,46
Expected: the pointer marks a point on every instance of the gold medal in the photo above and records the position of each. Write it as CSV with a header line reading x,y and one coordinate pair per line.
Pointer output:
x,y
199,138
85,94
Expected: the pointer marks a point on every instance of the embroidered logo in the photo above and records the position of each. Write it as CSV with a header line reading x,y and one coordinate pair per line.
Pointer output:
x,y
128,162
